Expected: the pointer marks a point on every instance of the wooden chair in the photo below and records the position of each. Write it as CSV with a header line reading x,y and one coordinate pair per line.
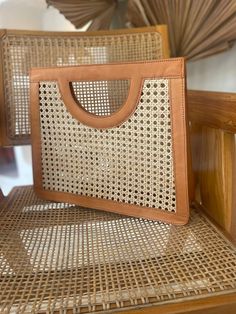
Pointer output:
x,y
213,128
62,258
22,50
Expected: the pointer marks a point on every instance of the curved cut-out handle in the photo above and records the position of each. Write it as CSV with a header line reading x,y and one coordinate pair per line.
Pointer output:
x,y
100,122
135,72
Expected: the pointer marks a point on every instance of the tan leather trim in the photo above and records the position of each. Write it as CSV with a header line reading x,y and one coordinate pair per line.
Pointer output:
x,y
134,72
116,71
113,206
161,69
36,135
179,138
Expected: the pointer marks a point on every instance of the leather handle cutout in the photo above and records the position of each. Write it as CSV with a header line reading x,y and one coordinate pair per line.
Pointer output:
x,y
95,121
135,72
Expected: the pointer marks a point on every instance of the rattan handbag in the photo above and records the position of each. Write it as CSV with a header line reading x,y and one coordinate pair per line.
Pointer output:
x,y
112,137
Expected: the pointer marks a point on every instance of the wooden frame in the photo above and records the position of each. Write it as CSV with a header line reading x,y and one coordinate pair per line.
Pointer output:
x,y
213,305
213,128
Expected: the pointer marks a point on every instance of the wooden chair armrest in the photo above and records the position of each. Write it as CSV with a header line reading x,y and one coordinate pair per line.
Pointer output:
x,y
213,109
213,128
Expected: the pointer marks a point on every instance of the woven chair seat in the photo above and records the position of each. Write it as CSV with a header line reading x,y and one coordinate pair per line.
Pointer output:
x,y
59,257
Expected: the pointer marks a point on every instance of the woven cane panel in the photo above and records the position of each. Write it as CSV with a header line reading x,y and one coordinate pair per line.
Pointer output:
x,y
101,98
55,256
22,52
132,163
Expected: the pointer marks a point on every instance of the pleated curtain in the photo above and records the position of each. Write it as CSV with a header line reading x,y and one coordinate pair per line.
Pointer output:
x,y
80,12
197,28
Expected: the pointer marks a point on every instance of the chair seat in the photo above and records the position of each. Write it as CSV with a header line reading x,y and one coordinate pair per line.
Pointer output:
x,y
58,257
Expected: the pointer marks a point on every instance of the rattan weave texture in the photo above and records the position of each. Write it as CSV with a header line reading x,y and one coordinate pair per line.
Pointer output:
x,y
132,163
101,98
57,256
20,52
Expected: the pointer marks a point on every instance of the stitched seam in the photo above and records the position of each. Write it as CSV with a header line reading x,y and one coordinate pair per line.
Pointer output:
x,y
121,78
173,140
171,60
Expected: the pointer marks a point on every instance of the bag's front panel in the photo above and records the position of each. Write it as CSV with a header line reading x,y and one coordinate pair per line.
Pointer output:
x,y
131,163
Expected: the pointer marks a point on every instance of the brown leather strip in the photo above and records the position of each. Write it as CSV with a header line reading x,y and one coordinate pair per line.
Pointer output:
x,y
36,135
116,71
177,105
113,206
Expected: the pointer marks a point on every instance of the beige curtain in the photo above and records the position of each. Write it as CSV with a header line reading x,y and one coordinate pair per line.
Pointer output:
x,y
80,12
197,28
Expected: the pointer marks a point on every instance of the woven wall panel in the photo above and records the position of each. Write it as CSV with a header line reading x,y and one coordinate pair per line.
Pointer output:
x,y
21,51
55,256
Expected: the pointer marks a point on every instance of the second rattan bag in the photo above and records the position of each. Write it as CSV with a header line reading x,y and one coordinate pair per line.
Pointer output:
x,y
112,137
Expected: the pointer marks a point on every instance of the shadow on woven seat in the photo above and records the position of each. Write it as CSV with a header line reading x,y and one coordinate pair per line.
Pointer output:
x,y
77,258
